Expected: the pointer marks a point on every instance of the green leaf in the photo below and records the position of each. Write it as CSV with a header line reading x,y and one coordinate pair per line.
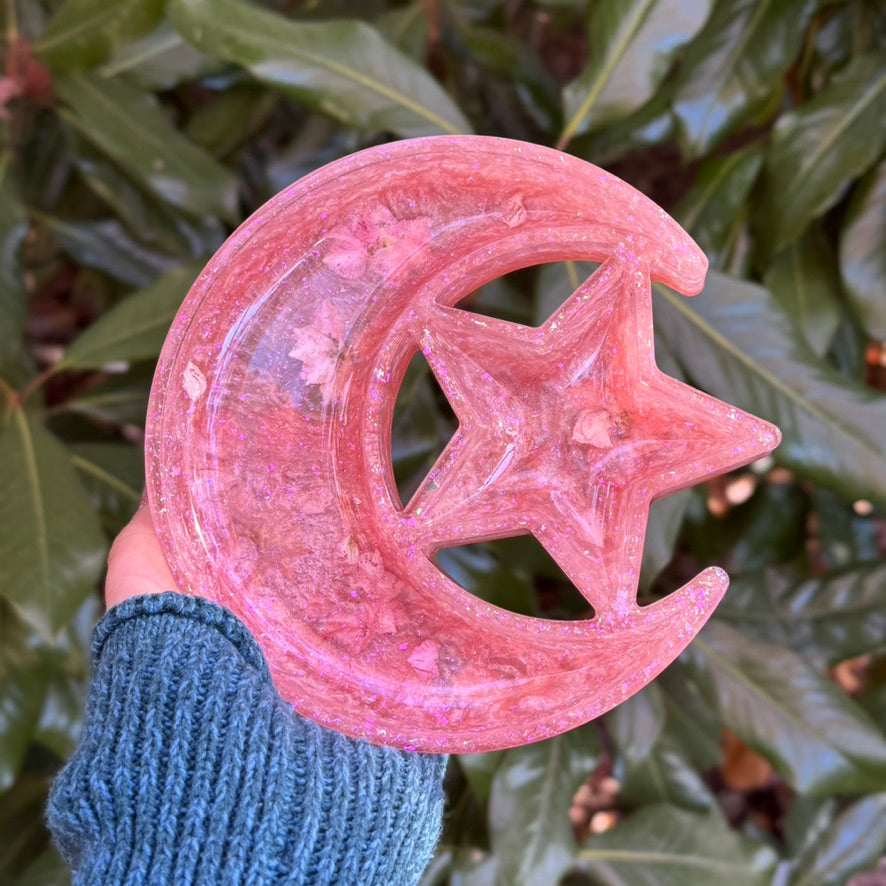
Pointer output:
x,y
137,210
479,770
119,400
498,581
826,618
342,68
154,224
114,476
159,61
13,299
555,283
820,146
406,28
130,127
107,246
83,33
769,528
230,118
23,831
853,842
135,328
635,726
734,67
47,869
318,141
666,775
518,65
844,538
651,765
666,846
692,717
651,125
471,868
717,199
817,739
803,278
735,341
419,430
51,546
58,727
631,45
529,806
863,253
503,299
22,691
806,820
662,529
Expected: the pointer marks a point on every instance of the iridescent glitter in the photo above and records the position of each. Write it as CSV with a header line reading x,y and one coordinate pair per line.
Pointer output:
x,y
269,470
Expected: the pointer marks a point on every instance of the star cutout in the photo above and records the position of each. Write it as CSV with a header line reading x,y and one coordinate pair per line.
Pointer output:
x,y
568,431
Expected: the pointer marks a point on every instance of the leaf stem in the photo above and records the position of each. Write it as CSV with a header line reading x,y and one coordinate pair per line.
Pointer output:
x,y
13,401
35,383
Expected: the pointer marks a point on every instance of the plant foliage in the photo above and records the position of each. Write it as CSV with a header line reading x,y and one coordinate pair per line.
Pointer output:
x,y
136,134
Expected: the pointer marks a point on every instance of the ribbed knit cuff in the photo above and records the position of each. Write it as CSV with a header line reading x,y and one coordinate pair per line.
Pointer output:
x,y
192,770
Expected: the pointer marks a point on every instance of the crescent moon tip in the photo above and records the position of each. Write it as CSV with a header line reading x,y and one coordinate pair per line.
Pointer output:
x,y
683,268
693,268
715,579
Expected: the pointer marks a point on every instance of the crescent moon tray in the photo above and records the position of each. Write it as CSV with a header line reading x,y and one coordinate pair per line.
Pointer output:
x,y
269,440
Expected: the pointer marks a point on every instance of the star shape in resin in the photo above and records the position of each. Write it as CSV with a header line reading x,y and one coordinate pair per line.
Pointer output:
x,y
568,431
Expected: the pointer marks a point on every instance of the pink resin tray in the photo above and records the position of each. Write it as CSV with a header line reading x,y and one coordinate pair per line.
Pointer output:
x,y
269,467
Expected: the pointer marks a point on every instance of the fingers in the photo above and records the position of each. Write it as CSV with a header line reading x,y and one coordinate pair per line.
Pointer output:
x,y
136,563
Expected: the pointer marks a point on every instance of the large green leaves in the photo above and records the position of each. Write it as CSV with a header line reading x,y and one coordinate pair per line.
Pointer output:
x,y
662,530
135,328
130,127
718,198
736,342
852,842
691,713
730,69
119,400
518,66
51,546
863,252
497,580
803,277
114,476
666,846
23,834
107,246
342,68
23,680
112,184
157,227
160,60
666,775
828,618
820,146
635,726
529,806
13,227
817,739
631,46
84,33
651,763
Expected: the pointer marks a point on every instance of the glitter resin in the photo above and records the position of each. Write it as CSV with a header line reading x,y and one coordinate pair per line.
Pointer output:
x,y
269,454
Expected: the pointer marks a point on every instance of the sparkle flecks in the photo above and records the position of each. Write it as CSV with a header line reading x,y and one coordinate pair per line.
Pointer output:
x,y
269,471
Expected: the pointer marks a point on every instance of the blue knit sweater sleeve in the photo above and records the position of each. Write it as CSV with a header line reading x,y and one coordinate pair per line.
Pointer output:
x,y
192,770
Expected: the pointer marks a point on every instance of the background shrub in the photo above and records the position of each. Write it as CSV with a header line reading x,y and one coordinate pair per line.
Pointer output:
x,y
138,133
